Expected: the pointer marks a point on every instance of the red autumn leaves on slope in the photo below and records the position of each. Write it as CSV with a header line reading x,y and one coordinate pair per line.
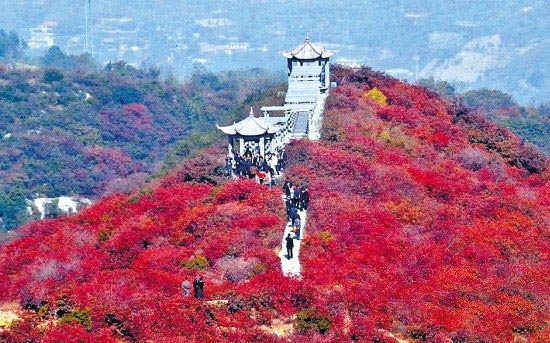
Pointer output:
x,y
426,223
115,270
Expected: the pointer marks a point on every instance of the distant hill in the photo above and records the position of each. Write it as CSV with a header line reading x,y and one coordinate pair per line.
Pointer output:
x,y
427,222
480,44
528,122
73,129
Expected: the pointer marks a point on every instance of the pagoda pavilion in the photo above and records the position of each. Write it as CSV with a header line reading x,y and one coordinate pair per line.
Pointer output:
x,y
308,84
260,134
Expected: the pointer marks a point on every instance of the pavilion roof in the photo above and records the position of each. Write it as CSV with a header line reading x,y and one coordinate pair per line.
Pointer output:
x,y
250,126
307,51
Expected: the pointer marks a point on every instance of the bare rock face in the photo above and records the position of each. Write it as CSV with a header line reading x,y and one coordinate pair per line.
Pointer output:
x,y
41,208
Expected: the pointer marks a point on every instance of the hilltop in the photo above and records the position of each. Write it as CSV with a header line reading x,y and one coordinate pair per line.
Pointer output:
x,y
427,222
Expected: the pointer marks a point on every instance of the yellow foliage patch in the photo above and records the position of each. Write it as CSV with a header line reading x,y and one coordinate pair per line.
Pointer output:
x,y
376,95
404,212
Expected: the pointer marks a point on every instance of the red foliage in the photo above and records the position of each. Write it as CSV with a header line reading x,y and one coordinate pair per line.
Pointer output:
x,y
124,259
420,225
425,222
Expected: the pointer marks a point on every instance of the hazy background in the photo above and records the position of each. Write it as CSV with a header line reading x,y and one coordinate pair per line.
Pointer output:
x,y
495,44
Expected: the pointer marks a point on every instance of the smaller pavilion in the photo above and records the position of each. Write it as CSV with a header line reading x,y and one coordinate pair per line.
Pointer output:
x,y
257,134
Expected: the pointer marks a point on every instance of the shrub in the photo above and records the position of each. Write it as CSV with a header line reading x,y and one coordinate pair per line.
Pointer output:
x,y
78,316
43,310
52,75
236,269
376,95
198,262
103,235
325,236
311,319
126,95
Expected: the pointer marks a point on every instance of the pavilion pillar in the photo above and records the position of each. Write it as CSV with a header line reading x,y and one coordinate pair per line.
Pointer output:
x,y
229,145
241,146
262,146
327,74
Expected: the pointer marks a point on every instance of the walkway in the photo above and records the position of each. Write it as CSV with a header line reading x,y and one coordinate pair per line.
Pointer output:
x,y
292,267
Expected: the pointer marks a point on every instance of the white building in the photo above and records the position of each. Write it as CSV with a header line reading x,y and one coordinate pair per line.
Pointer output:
x,y
232,47
213,22
42,36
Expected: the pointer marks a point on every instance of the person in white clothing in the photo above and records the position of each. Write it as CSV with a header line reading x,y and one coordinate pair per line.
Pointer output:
x,y
273,164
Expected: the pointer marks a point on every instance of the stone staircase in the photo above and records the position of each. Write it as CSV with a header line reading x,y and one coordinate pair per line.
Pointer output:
x,y
301,125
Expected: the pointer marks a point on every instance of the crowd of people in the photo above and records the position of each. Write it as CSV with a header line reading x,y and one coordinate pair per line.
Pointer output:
x,y
296,200
252,165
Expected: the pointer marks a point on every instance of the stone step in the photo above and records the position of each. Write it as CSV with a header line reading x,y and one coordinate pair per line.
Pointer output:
x,y
301,125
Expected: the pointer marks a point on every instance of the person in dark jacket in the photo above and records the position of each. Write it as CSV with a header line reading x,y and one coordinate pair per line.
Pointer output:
x,y
289,246
304,198
198,287
293,213
288,204
286,188
229,166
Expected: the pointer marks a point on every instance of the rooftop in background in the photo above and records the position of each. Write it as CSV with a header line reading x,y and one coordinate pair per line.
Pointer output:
x,y
308,51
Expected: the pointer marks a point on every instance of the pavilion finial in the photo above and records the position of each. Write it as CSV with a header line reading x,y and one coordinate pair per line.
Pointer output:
x,y
251,111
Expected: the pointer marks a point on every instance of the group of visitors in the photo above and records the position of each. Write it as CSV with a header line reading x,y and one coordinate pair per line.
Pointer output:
x,y
252,165
198,287
296,200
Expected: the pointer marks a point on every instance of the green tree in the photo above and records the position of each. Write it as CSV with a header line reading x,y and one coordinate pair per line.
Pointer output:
x,y
10,45
52,75
54,57
12,208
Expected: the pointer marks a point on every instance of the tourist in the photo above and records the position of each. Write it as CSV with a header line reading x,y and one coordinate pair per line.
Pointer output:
x,y
297,221
286,188
229,166
269,181
288,204
247,165
289,246
247,152
282,159
293,213
305,198
297,226
298,197
263,164
198,287
260,176
185,288
294,194
274,164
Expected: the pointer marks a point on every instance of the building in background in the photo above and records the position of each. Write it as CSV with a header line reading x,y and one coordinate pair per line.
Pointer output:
x,y
42,36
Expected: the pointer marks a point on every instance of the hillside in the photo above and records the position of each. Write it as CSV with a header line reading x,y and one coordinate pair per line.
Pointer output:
x,y
528,122
427,222
88,131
